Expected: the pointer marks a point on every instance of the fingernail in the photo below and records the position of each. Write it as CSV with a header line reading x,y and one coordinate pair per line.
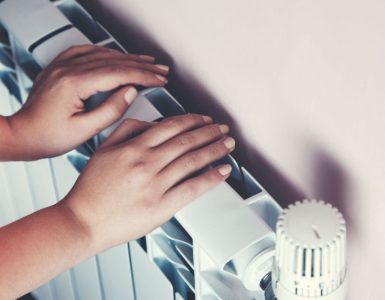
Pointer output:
x,y
147,57
207,119
161,78
163,67
130,95
225,169
229,143
224,128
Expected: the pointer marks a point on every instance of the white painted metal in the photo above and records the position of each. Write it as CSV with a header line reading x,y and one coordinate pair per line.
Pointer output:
x,y
46,52
45,19
150,282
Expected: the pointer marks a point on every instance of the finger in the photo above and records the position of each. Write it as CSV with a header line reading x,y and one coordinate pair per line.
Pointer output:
x,y
74,51
109,77
123,61
71,53
194,161
97,55
109,111
179,196
188,141
171,127
127,130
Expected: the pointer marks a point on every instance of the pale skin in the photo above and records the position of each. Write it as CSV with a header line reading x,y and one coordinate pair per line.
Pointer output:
x,y
138,179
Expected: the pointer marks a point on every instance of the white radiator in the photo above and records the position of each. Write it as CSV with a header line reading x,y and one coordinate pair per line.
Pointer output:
x,y
217,249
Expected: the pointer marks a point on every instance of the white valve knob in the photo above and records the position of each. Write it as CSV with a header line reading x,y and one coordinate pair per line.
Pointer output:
x,y
310,257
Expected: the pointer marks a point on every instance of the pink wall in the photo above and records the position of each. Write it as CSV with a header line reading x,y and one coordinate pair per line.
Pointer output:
x,y
301,83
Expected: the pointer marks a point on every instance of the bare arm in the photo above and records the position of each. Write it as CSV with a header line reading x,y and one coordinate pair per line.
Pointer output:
x,y
36,248
138,179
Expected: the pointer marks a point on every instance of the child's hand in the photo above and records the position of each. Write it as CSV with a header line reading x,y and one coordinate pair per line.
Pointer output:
x,y
54,121
130,187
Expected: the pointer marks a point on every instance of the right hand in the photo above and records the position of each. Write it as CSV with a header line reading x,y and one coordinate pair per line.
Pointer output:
x,y
144,173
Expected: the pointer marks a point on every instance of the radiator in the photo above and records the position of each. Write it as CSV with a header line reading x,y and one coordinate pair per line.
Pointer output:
x,y
217,249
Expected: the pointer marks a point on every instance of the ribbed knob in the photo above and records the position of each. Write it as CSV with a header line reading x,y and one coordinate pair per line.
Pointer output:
x,y
310,257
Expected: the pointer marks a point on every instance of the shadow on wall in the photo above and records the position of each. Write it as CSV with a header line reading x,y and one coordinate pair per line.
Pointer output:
x,y
329,183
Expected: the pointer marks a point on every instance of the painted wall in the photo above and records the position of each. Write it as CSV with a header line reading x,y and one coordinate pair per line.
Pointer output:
x,y
302,85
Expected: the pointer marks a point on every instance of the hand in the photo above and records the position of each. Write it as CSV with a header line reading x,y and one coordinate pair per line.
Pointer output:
x,y
135,182
54,120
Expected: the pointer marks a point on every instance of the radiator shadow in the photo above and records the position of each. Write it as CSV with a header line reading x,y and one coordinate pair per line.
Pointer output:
x,y
331,182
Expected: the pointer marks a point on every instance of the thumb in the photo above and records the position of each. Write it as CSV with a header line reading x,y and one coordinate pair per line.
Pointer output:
x,y
110,111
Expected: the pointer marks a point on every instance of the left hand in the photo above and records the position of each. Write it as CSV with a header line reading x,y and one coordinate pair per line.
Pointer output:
x,y
54,120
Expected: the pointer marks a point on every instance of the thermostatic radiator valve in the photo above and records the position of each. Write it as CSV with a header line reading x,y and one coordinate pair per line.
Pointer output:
x,y
310,260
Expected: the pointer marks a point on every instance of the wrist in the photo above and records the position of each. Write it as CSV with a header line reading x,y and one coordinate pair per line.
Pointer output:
x,y
9,144
24,139
81,217
23,149
78,228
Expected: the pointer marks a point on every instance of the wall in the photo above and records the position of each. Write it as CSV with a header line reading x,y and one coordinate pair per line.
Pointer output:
x,y
302,85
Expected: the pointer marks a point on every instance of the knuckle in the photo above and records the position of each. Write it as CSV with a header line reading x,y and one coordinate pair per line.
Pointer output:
x,y
214,131
130,154
86,59
152,203
185,140
143,73
115,69
140,168
137,72
126,154
171,123
191,161
197,118
65,77
213,176
190,191
216,150
58,72
138,171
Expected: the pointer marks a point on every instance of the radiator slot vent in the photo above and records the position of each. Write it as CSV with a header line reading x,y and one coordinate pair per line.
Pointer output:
x,y
171,248
82,20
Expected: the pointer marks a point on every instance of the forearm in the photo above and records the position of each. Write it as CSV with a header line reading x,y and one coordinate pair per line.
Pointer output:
x,y
36,248
8,141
